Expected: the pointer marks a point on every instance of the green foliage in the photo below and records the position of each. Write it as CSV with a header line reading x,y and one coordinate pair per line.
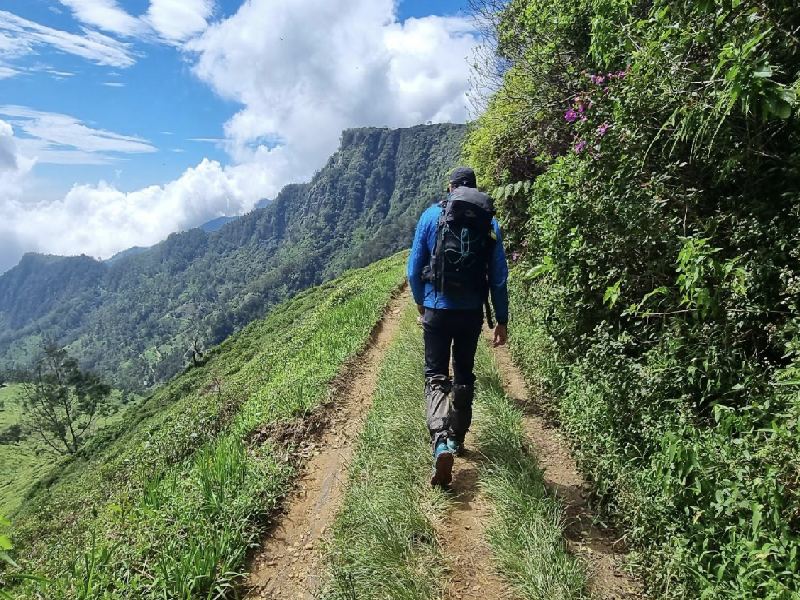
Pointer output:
x,y
61,402
133,318
166,503
657,271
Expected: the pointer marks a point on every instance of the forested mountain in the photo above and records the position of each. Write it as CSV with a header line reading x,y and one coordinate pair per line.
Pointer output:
x,y
134,318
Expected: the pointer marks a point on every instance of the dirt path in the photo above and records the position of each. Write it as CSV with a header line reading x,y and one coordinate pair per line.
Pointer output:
x,y
597,546
288,564
463,538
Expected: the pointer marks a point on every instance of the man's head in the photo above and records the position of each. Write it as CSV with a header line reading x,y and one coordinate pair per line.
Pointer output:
x,y
462,176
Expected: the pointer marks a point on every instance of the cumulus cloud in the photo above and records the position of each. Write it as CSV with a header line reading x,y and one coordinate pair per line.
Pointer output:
x,y
302,71
100,220
179,20
27,35
306,70
61,139
105,14
8,148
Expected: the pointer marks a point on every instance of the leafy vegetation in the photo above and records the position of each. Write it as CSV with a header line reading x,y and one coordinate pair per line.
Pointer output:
x,y
644,157
134,318
21,461
166,503
62,403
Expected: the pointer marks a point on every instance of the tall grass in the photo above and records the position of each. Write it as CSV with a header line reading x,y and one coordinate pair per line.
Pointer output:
x,y
168,506
383,543
526,527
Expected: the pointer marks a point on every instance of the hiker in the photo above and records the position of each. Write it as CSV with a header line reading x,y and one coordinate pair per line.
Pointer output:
x,y
457,263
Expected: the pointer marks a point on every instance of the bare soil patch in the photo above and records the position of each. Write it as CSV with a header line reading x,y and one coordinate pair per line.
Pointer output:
x,y
601,548
288,565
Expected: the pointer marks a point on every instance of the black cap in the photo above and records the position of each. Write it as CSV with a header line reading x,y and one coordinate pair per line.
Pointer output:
x,y
463,176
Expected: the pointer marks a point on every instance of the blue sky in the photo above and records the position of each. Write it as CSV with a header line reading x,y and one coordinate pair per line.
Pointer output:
x,y
127,119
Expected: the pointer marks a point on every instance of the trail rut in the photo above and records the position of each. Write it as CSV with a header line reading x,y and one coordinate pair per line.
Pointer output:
x,y
463,538
288,565
598,547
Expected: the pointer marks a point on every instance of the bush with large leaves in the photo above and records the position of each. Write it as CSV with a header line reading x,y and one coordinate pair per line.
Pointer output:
x,y
658,270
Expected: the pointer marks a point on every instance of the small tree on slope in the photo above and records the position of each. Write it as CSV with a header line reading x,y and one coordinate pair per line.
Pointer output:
x,y
62,402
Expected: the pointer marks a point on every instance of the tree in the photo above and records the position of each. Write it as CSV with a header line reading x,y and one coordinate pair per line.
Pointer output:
x,y
196,352
62,402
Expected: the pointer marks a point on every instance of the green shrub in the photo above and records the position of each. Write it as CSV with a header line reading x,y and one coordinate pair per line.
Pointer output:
x,y
657,270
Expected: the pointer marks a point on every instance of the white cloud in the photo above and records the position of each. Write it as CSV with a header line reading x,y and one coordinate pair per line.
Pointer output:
x,y
306,70
303,70
100,220
8,148
114,84
92,45
179,20
61,139
105,14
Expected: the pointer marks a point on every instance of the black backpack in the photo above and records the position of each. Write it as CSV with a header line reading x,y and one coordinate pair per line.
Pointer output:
x,y
464,243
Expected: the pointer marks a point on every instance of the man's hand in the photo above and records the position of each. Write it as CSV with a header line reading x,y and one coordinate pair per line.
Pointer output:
x,y
500,335
421,310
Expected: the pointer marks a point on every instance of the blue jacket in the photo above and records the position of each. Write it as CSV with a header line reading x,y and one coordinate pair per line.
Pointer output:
x,y
425,293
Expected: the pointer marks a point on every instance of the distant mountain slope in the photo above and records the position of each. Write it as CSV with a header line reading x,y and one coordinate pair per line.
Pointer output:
x,y
216,224
134,317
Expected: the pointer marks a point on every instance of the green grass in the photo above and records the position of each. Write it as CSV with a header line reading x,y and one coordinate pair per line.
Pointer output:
x,y
20,463
384,544
526,527
23,463
167,504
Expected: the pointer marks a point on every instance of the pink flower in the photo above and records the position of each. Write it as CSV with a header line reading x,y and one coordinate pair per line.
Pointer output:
x,y
601,131
571,116
580,146
514,256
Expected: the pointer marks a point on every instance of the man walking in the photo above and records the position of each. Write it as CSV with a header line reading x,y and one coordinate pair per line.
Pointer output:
x,y
457,263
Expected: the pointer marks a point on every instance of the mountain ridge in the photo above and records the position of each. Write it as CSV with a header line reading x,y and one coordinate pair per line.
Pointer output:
x,y
134,317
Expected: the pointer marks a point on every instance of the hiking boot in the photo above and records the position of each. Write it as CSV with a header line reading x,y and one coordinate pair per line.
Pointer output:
x,y
456,447
442,465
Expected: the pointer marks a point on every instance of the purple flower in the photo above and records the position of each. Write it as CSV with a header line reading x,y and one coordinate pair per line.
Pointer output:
x,y
581,108
571,116
580,146
514,256
601,131
597,79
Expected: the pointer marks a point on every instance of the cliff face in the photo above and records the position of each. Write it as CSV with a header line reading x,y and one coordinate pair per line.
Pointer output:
x,y
134,317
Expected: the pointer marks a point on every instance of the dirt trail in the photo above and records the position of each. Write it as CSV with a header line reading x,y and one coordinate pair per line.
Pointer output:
x,y
470,564
599,547
288,565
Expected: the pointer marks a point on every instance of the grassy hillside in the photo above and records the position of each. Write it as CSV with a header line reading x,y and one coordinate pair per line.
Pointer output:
x,y
23,461
166,504
133,319
20,462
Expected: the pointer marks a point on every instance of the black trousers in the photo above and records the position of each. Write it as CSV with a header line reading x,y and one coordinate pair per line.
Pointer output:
x,y
449,402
